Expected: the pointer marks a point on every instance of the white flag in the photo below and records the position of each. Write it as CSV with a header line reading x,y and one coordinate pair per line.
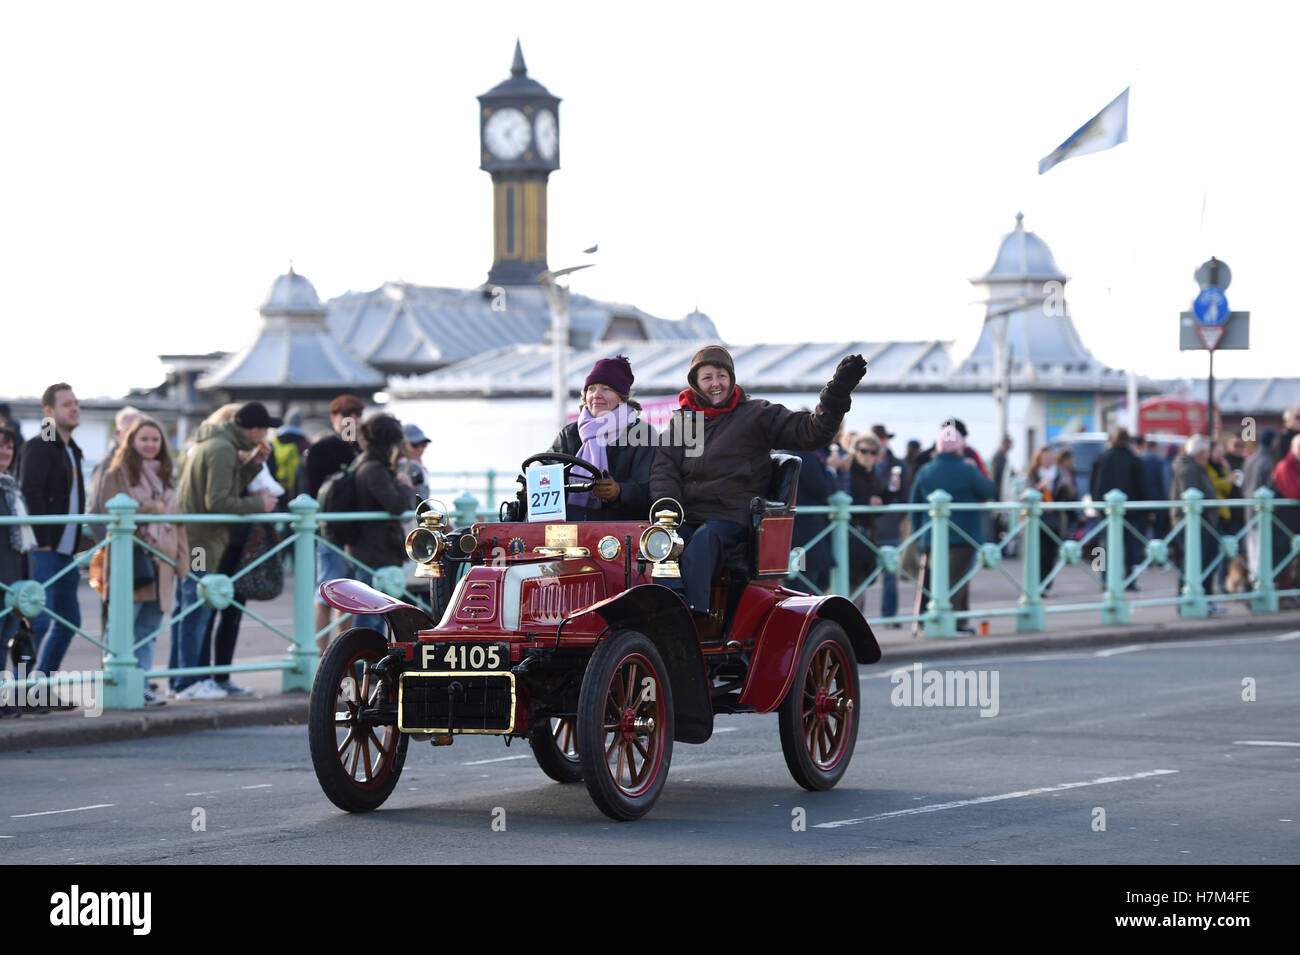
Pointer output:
x,y
1108,128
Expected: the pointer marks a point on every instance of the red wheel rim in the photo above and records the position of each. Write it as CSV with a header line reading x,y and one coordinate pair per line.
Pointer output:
x,y
634,725
827,706
365,751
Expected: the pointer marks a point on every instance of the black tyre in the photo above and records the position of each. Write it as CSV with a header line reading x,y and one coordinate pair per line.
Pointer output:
x,y
625,725
819,715
357,762
555,747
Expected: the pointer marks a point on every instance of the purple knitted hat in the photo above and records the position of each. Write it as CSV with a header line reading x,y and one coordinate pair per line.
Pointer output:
x,y
615,372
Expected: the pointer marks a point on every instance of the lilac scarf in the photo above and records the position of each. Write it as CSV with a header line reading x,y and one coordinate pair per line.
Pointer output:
x,y
596,434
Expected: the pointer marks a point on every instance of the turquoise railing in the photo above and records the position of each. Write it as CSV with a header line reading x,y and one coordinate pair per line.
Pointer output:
x,y
1098,548
124,681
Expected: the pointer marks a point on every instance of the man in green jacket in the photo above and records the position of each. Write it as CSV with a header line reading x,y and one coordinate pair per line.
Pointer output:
x,y
225,457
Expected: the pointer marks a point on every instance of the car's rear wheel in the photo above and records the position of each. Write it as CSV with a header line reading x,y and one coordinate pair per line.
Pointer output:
x,y
625,725
818,717
555,747
357,761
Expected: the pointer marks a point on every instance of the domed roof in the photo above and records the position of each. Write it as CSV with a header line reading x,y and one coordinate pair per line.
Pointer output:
x,y
1023,255
291,292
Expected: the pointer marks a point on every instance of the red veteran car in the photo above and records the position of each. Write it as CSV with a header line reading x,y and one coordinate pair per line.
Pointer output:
x,y
558,633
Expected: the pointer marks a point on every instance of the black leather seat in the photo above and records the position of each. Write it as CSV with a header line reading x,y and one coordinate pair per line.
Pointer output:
x,y
779,501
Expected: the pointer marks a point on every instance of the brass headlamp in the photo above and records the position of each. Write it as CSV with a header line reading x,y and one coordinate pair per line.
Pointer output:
x,y
660,543
428,541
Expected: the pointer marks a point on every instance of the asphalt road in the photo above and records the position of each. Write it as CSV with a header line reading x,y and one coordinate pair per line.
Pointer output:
x,y
1155,741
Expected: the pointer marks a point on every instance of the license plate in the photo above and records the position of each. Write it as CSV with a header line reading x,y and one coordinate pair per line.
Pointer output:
x,y
465,657
461,702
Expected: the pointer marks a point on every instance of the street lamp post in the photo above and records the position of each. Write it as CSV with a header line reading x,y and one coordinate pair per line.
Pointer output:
x,y
557,297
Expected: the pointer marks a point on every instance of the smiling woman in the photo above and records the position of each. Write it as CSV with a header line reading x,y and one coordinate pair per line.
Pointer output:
x,y
609,435
731,465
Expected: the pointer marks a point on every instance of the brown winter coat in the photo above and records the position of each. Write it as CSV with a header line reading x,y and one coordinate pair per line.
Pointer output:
x,y
169,539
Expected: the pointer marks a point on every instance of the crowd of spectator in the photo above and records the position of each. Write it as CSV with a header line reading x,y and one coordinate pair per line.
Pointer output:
x,y
1143,468
240,460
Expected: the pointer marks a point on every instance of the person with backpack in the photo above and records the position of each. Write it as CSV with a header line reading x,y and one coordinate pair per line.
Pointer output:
x,y
328,456
380,485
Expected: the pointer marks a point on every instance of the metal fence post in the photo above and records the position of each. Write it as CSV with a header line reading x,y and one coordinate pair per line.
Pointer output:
x,y
839,514
1116,609
491,487
1193,603
940,618
1031,615
465,510
1265,597
123,679
303,654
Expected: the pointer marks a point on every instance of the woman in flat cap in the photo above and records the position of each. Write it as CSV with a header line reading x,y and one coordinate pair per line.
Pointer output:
x,y
730,463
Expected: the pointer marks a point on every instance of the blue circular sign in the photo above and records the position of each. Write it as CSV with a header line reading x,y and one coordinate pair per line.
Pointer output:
x,y
1211,306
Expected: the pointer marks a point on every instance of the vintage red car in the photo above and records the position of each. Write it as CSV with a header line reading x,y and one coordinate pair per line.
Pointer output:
x,y
559,633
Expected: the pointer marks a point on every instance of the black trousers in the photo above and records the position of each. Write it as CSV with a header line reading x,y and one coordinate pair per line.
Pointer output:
x,y
706,545
226,623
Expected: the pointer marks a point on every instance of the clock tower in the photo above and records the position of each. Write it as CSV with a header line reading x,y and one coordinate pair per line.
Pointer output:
x,y
519,145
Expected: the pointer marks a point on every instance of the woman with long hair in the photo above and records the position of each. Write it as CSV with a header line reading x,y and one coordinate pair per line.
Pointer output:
x,y
1055,482
381,486
142,469
16,542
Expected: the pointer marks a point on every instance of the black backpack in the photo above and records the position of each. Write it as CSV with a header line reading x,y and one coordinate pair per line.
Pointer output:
x,y
338,494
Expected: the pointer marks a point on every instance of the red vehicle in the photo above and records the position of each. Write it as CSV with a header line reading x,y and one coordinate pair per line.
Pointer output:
x,y
559,634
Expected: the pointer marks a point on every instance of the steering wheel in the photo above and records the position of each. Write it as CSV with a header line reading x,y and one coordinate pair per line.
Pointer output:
x,y
570,462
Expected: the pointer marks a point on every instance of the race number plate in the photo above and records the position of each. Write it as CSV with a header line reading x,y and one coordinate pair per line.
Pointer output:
x,y
464,657
545,490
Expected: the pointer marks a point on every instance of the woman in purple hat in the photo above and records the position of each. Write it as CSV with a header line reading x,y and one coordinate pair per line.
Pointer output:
x,y
610,437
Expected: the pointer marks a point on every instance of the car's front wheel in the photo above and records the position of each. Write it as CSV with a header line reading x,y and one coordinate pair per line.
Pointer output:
x,y
357,760
625,725
818,717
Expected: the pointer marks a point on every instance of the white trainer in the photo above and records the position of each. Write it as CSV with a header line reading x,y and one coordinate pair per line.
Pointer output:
x,y
202,690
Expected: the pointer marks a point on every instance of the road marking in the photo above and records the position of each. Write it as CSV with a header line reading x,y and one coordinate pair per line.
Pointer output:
x,y
54,812
937,807
726,729
499,759
259,786
1262,742
208,793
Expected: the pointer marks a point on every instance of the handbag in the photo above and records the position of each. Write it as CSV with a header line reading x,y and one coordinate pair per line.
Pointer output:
x,y
143,569
266,580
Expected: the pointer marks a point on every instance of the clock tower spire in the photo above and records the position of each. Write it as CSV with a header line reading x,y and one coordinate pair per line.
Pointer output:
x,y
519,146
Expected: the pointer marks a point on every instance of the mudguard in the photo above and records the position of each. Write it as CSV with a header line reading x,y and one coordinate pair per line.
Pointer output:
x,y
354,597
661,615
779,643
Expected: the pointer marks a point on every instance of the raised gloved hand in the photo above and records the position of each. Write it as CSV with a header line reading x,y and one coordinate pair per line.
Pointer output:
x,y
847,375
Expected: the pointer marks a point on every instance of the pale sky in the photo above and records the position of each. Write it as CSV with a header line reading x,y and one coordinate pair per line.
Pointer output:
x,y
811,171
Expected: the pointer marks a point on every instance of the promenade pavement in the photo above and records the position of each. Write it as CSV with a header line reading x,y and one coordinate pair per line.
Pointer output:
x,y
991,589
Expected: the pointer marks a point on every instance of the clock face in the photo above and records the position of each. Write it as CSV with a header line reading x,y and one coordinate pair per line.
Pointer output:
x,y
507,133
547,134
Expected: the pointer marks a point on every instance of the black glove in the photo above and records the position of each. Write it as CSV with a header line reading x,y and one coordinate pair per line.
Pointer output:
x,y
847,375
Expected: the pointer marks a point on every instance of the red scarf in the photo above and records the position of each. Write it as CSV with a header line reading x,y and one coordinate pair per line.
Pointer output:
x,y
1286,477
688,400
